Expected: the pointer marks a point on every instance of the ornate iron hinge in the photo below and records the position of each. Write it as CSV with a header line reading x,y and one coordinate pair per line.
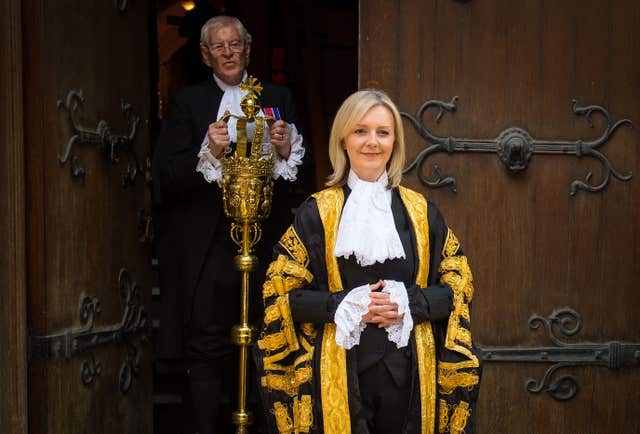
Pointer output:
x,y
82,341
613,355
113,144
515,147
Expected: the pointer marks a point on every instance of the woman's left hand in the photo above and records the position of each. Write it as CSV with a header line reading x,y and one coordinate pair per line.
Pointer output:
x,y
382,310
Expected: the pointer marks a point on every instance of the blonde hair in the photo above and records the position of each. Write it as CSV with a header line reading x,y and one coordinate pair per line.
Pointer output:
x,y
349,114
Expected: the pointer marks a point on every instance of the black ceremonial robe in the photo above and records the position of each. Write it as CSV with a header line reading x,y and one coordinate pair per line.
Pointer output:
x,y
309,383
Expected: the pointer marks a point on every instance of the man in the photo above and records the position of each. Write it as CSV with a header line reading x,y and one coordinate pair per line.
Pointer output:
x,y
200,287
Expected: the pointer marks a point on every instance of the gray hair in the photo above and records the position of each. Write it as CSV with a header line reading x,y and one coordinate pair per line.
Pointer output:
x,y
218,22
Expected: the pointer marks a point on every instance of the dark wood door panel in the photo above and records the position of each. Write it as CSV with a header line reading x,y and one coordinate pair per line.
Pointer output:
x,y
534,248
83,215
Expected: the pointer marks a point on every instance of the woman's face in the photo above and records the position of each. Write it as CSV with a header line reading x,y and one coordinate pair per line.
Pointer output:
x,y
370,142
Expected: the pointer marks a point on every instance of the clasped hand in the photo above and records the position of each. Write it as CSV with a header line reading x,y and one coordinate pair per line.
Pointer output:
x,y
219,140
382,310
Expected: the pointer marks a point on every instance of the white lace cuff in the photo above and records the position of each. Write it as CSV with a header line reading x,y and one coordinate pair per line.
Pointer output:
x,y
208,165
288,169
399,332
348,317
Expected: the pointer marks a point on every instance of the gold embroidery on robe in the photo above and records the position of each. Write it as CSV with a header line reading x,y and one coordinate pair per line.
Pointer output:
x,y
271,313
308,329
449,380
302,415
416,206
333,361
443,419
456,273
305,415
279,284
456,366
272,342
285,274
451,245
283,420
284,266
459,417
290,241
289,381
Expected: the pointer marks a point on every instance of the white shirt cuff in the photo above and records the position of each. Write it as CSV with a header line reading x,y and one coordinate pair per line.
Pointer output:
x,y
288,169
348,316
208,165
399,332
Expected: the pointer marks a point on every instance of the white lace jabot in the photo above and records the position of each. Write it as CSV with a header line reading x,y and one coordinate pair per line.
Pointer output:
x,y
367,229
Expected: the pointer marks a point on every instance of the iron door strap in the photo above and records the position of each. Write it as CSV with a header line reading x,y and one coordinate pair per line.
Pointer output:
x,y
129,332
515,147
613,354
102,137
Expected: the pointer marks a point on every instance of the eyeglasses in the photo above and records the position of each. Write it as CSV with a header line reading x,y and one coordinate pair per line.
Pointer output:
x,y
233,46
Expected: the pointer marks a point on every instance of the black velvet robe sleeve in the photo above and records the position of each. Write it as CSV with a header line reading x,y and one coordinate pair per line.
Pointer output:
x,y
312,303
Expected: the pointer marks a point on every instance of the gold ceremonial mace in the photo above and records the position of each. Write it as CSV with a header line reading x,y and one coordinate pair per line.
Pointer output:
x,y
247,190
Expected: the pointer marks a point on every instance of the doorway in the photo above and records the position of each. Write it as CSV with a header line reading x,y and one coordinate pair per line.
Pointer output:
x,y
310,47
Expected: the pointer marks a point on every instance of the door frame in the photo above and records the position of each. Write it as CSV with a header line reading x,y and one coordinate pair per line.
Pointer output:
x,y
13,316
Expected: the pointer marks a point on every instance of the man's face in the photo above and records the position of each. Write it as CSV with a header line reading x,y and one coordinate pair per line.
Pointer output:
x,y
226,54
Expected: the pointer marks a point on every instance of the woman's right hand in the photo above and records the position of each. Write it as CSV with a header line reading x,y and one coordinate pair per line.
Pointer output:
x,y
382,310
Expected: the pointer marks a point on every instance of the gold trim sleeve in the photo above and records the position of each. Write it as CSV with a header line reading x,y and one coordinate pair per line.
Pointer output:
x,y
427,375
456,273
453,417
451,245
302,415
333,362
289,381
443,417
292,244
416,206
283,420
306,413
333,384
330,203
448,380
459,417
272,342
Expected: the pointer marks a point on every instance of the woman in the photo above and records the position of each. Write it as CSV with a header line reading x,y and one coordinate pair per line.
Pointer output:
x,y
366,325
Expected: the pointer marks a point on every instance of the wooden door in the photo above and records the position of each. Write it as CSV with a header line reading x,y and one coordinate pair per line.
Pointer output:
x,y
555,250
86,88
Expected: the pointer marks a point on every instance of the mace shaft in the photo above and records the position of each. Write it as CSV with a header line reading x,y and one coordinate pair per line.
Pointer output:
x,y
242,334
